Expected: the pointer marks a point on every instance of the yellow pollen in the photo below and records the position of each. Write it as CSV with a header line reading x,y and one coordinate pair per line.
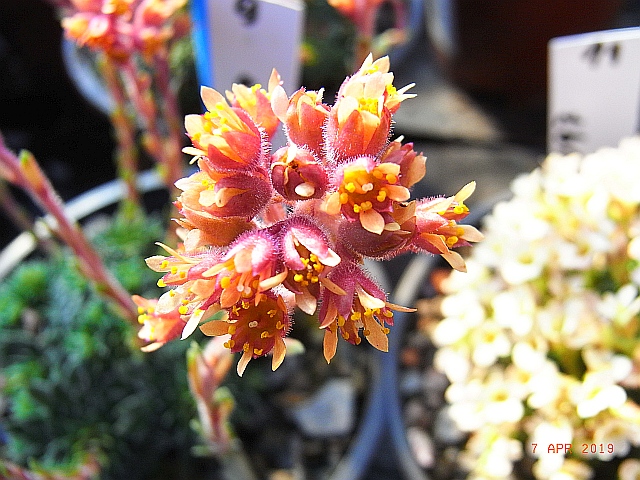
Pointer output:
x,y
459,231
272,312
253,324
315,279
265,334
356,208
231,330
313,257
225,282
298,277
183,274
386,331
246,346
382,195
245,305
172,293
279,325
341,320
257,351
350,187
387,313
366,333
460,209
164,264
345,335
366,206
451,241
377,174
358,340
391,178
183,309
356,316
140,310
235,310
161,283
229,344
318,267
344,198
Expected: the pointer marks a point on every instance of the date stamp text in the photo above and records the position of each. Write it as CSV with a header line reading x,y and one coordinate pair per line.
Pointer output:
x,y
568,448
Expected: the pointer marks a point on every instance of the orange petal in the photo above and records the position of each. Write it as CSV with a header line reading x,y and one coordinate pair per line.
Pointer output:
x,y
279,351
215,328
376,336
372,221
243,362
330,343
455,260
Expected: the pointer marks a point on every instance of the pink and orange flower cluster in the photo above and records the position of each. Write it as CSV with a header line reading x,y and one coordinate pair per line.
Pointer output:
x,y
122,27
264,232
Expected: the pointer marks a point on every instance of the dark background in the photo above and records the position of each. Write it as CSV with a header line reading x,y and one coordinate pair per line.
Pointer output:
x,y
40,109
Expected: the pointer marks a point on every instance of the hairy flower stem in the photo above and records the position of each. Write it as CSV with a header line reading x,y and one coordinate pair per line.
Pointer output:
x,y
25,173
139,88
174,120
125,131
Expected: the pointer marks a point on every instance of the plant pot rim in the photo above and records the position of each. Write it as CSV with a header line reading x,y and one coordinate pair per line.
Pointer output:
x,y
76,209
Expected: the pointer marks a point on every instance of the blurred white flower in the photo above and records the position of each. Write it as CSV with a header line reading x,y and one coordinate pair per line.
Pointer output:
x,y
541,338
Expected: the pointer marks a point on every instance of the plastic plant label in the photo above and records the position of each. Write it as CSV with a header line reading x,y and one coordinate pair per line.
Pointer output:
x,y
594,90
241,41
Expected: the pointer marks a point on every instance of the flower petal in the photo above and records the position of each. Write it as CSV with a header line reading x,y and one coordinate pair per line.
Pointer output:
x,y
372,221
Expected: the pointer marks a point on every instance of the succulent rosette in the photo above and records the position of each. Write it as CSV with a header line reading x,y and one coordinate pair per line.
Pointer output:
x,y
267,232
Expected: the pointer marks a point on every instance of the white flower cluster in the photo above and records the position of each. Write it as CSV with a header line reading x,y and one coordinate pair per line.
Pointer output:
x,y
540,340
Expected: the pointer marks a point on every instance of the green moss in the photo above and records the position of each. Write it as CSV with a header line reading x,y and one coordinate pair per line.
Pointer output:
x,y
74,378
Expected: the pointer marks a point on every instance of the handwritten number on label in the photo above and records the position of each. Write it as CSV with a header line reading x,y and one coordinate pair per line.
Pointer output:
x,y
248,10
596,51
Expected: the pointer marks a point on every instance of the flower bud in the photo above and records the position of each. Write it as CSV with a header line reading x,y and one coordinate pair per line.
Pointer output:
x,y
296,175
257,102
303,116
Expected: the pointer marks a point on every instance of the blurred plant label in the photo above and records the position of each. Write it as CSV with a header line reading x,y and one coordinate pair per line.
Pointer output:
x,y
241,41
594,90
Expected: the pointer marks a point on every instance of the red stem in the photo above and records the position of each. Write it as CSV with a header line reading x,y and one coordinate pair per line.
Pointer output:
x,y
27,175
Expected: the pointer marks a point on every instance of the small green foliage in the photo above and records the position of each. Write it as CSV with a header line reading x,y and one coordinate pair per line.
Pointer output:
x,y
74,378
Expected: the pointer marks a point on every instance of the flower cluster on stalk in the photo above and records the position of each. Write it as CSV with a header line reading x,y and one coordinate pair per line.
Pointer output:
x,y
124,27
541,339
264,232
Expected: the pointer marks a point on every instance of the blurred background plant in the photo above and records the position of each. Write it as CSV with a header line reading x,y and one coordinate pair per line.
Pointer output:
x,y
540,340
